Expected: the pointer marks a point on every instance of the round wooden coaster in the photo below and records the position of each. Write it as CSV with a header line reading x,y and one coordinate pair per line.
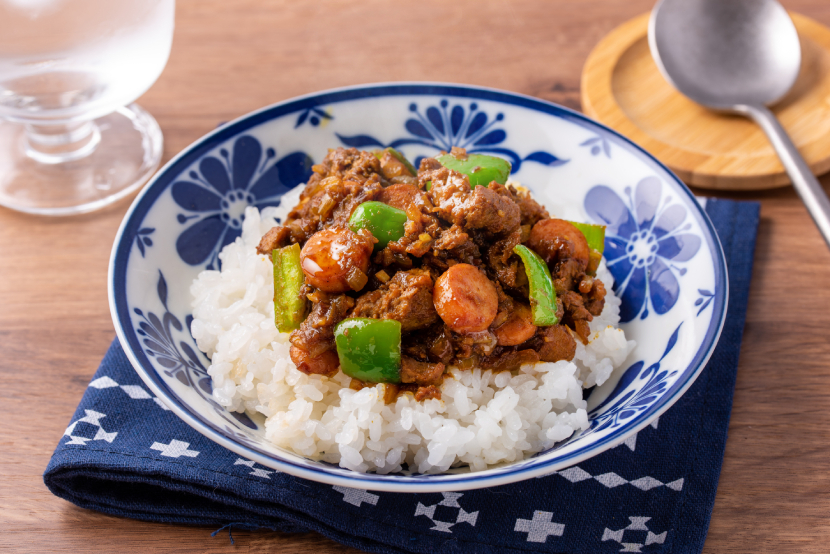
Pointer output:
x,y
622,88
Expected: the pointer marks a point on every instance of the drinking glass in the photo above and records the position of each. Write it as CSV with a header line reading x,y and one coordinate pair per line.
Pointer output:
x,y
71,140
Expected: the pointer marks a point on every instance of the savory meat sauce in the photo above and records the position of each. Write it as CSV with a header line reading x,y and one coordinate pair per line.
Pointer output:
x,y
452,278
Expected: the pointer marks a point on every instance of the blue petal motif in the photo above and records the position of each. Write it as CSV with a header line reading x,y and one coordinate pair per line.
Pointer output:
x,y
633,296
456,119
615,249
150,331
603,205
672,341
161,289
435,118
680,248
189,352
197,242
479,121
493,137
295,168
246,154
663,287
646,199
706,295
167,363
544,158
417,128
360,141
142,238
216,174
620,270
669,220
283,176
195,198
170,319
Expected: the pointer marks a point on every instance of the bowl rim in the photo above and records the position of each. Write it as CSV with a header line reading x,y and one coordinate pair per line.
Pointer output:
x,y
395,482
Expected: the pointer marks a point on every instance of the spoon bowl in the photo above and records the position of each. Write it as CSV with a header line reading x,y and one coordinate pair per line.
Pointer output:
x,y
738,56
750,54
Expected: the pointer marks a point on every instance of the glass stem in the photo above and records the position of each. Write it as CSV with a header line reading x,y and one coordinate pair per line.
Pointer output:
x,y
60,143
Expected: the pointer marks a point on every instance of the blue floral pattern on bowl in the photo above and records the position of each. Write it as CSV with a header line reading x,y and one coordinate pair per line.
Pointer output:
x,y
313,115
598,145
660,247
214,196
626,401
441,127
646,245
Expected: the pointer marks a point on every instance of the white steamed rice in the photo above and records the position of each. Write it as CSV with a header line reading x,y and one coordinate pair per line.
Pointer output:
x,y
482,419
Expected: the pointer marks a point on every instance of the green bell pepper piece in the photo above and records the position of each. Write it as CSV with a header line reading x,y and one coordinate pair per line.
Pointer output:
x,y
594,235
542,293
369,349
289,306
400,157
384,222
480,168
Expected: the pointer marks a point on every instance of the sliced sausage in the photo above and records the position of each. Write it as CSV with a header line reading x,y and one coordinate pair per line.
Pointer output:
x,y
517,328
557,239
330,258
465,299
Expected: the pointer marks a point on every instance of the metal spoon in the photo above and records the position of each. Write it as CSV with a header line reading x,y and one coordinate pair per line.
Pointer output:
x,y
737,56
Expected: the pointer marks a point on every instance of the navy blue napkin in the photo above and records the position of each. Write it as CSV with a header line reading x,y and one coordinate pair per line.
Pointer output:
x,y
125,454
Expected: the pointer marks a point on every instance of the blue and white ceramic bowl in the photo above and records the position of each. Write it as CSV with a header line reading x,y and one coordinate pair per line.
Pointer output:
x,y
660,246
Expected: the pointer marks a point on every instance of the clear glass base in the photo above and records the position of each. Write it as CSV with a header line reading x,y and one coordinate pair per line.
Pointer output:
x,y
64,170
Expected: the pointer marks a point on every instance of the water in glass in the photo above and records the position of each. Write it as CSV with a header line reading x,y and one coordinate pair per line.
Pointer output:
x,y
63,65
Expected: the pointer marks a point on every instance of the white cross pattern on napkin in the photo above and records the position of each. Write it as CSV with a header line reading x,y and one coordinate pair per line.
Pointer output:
x,y
256,471
356,497
175,449
540,527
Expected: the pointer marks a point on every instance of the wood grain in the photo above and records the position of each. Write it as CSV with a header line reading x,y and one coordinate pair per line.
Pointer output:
x,y
232,57
623,88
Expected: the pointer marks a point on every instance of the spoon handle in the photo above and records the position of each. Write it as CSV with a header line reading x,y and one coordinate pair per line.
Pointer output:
x,y
806,185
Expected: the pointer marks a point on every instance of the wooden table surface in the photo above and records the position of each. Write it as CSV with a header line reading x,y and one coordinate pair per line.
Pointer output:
x,y
231,57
